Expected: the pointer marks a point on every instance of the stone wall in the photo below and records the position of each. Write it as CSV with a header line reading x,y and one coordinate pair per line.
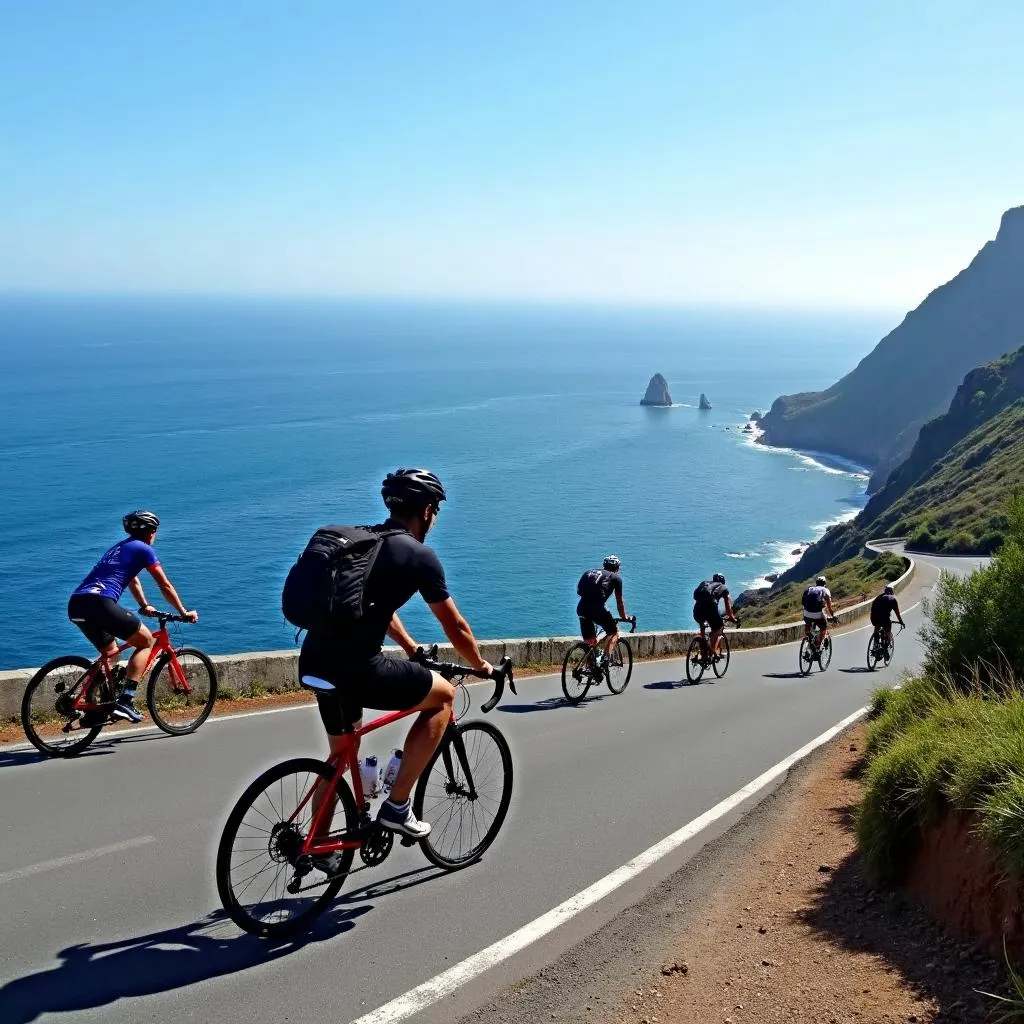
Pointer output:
x,y
275,671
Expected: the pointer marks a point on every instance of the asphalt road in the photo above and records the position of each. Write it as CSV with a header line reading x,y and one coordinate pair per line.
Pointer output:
x,y
108,908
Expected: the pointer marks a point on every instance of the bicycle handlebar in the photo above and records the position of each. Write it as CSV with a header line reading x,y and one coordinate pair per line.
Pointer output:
x,y
500,674
166,617
632,623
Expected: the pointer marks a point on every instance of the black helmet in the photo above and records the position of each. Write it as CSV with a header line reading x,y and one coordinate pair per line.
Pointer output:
x,y
612,563
412,489
820,581
718,578
889,589
140,521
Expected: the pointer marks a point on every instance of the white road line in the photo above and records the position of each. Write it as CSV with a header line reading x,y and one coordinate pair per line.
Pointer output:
x,y
74,858
432,991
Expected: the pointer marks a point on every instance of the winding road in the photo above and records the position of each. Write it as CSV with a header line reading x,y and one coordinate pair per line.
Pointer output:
x,y
108,909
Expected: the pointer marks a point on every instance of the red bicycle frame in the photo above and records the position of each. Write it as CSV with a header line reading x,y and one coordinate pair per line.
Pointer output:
x,y
348,758
161,646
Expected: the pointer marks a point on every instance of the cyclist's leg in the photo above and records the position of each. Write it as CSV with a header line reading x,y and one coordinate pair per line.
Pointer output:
x,y
588,629
336,718
142,640
717,626
435,711
611,629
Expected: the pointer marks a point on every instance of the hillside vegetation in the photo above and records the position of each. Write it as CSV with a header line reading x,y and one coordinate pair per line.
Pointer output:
x,y
873,415
851,581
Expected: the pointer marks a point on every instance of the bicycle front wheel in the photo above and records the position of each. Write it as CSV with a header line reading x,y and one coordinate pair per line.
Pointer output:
x,y
464,794
264,884
720,662
825,653
890,649
576,672
47,708
695,664
182,691
620,666
806,656
873,652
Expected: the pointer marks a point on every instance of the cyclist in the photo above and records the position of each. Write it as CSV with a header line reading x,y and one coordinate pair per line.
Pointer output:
x,y
881,612
594,589
363,674
706,611
94,608
817,600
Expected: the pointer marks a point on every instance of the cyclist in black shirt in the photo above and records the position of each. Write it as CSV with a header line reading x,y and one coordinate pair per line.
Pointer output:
x,y
706,611
594,588
363,674
881,612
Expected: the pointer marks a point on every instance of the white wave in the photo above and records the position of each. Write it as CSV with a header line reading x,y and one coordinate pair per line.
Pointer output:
x,y
741,554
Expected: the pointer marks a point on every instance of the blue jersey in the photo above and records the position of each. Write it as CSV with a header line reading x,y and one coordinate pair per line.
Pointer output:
x,y
117,568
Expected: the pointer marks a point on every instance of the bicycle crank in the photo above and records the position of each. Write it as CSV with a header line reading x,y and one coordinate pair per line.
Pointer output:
x,y
376,846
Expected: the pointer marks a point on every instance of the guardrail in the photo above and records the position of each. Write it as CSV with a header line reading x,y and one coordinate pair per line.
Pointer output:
x,y
276,671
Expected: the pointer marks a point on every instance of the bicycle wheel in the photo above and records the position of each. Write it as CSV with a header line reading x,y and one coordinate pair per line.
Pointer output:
x,y
890,649
463,826
176,709
576,672
720,663
695,664
825,654
47,708
620,666
806,656
259,850
873,652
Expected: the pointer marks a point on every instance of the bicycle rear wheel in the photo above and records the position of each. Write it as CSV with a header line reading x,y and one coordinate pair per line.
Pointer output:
x,y
47,708
695,664
873,652
720,663
464,825
806,656
576,672
258,858
620,666
181,703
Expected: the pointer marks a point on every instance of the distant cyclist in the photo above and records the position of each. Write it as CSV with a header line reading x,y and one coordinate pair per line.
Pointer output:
x,y
94,607
352,658
594,589
706,611
882,609
817,601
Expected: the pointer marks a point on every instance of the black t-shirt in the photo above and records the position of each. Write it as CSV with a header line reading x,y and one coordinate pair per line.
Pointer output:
x,y
883,606
605,583
403,567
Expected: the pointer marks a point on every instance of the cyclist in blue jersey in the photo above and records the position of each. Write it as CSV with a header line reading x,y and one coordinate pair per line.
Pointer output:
x,y
94,607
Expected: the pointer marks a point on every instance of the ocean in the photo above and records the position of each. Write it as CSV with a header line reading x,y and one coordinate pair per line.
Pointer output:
x,y
247,423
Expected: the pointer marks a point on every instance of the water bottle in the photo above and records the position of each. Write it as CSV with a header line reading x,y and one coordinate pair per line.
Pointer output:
x,y
391,772
370,774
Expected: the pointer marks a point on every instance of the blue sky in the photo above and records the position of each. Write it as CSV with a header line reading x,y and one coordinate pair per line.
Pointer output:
x,y
793,154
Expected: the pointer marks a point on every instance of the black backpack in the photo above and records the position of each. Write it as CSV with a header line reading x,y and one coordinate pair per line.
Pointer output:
x,y
813,602
324,591
702,594
589,585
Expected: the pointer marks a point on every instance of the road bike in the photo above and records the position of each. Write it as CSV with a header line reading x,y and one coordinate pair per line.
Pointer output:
x,y
584,665
304,809
699,659
70,699
881,647
814,650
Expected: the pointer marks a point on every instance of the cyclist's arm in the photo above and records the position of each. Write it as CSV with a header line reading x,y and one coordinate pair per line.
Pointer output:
x,y
136,590
729,613
622,604
401,636
158,574
456,628
899,617
828,605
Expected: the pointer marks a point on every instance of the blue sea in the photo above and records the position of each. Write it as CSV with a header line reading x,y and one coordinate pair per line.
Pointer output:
x,y
247,423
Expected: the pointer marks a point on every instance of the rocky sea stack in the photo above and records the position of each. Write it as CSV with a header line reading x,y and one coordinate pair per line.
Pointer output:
x,y
657,392
704,403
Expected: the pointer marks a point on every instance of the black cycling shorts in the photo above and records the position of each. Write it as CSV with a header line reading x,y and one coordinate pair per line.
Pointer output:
x,y
384,682
710,614
881,623
590,618
811,623
102,619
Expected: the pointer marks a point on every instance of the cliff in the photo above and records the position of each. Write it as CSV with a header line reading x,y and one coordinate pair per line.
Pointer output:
x,y
657,392
873,415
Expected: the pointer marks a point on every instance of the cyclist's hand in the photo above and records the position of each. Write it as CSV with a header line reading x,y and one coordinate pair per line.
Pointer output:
x,y
488,668
191,616
834,620
148,610
419,656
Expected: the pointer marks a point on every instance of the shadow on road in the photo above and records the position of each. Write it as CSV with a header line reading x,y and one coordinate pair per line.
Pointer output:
x,y
855,670
102,745
389,886
89,976
668,684
885,924
551,704
783,675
